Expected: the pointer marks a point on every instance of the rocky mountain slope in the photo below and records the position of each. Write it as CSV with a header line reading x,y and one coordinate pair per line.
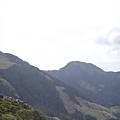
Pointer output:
x,y
21,80
97,85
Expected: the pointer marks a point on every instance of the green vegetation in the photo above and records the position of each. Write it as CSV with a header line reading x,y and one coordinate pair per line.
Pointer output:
x,y
19,79
18,110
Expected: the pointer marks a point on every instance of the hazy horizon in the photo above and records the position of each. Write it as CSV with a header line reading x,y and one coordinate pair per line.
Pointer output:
x,y
49,34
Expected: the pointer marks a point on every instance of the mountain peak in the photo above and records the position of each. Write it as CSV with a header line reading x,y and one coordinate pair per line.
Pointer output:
x,y
75,63
82,66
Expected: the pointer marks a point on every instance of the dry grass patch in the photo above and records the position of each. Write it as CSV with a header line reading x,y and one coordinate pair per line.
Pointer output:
x,y
5,63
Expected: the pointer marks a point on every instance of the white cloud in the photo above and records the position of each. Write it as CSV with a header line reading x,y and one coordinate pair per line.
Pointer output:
x,y
110,41
112,38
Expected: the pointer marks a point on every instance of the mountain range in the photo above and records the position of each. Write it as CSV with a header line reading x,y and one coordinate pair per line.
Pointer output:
x,y
55,96
97,85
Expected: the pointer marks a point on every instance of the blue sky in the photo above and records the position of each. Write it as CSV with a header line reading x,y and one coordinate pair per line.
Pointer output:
x,y
50,33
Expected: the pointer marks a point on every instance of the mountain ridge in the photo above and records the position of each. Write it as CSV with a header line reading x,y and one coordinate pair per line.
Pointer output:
x,y
91,80
42,91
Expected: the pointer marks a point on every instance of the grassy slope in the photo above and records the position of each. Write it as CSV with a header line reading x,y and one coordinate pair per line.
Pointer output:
x,y
5,63
88,108
13,110
10,109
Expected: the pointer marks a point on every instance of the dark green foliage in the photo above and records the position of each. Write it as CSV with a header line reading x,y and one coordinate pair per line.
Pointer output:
x,y
13,110
8,117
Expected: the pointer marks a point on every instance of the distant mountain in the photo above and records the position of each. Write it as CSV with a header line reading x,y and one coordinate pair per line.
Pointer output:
x,y
97,85
21,80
